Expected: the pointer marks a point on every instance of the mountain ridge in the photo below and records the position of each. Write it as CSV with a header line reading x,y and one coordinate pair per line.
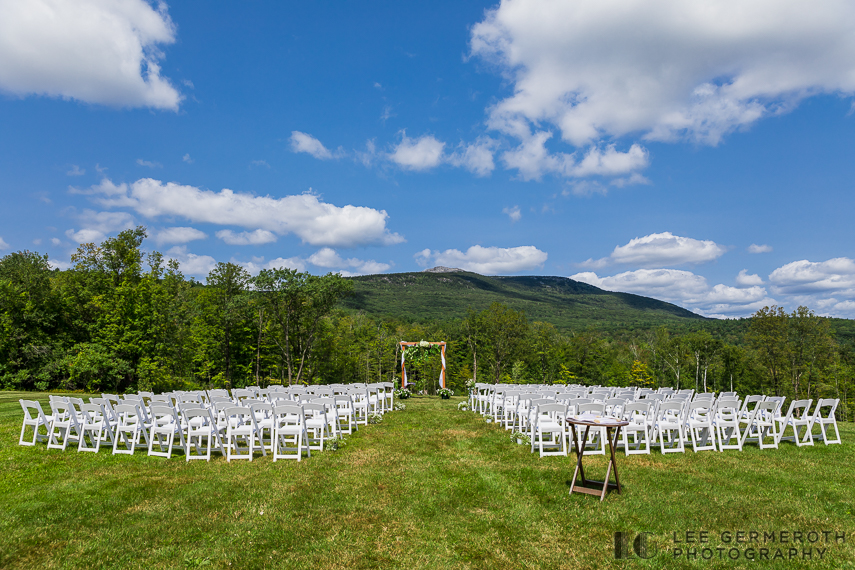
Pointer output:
x,y
564,302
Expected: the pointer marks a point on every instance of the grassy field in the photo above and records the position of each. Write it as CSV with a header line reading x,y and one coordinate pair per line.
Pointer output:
x,y
430,487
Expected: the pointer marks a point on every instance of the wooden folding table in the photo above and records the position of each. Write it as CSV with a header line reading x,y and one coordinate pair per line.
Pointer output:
x,y
611,425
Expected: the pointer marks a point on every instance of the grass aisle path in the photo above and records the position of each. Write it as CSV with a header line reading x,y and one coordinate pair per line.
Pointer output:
x,y
430,487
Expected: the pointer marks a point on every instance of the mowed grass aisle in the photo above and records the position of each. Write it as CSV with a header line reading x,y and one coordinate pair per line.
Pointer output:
x,y
430,487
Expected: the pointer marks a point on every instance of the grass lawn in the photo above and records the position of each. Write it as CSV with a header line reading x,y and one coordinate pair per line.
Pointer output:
x,y
430,487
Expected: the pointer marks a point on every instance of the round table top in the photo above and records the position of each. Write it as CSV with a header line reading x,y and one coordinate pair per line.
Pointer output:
x,y
601,421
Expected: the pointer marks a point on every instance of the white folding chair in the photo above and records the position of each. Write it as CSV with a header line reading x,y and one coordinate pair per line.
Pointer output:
x,y
670,426
289,426
95,422
35,418
200,426
262,417
130,428
636,436
64,426
239,425
827,419
699,423
550,429
165,425
596,444
317,425
798,416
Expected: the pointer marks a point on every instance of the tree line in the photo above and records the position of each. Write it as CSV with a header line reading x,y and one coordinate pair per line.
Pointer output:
x,y
119,320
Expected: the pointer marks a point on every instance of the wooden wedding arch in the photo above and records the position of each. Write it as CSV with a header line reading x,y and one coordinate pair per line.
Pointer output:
x,y
405,344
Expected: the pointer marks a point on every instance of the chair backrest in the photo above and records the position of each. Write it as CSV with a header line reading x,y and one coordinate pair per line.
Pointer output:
x,y
830,404
284,413
93,412
639,411
591,407
163,414
750,403
33,410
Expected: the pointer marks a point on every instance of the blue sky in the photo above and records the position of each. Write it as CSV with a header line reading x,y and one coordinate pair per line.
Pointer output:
x,y
699,153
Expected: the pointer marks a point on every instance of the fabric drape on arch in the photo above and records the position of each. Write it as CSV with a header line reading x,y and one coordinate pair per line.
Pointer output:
x,y
405,344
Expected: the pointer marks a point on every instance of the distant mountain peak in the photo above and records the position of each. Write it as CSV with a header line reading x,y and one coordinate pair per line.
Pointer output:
x,y
442,269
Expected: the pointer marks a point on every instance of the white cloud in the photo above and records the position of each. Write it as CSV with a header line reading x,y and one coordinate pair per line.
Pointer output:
x,y
62,265
610,162
486,260
533,160
149,163
665,69
56,241
660,249
190,263
260,163
96,225
417,154
89,50
257,237
305,215
75,171
754,248
683,288
257,264
513,213
178,235
804,277
329,259
3,244
186,158
476,157
302,142
744,279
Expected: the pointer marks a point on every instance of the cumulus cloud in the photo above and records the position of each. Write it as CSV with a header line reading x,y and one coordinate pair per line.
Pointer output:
x,y
417,154
75,171
305,215
178,235
329,259
668,69
754,248
186,158
148,163
3,244
805,277
513,213
683,288
258,263
303,142
486,260
746,280
476,157
96,225
90,50
660,249
190,263
257,237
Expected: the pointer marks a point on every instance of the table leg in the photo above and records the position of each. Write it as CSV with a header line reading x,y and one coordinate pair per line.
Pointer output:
x,y
613,460
579,468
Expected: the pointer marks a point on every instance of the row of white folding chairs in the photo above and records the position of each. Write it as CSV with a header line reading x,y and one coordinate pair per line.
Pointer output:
x,y
127,424
671,424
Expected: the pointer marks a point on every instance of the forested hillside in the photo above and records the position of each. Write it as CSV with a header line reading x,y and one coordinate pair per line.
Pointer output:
x,y
563,302
121,320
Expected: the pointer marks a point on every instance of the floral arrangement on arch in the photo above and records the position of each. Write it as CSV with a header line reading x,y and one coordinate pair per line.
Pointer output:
x,y
419,353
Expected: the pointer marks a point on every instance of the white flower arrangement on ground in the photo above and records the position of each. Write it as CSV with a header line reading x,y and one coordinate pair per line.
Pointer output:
x,y
447,392
464,406
335,443
375,418
399,407
402,393
520,437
